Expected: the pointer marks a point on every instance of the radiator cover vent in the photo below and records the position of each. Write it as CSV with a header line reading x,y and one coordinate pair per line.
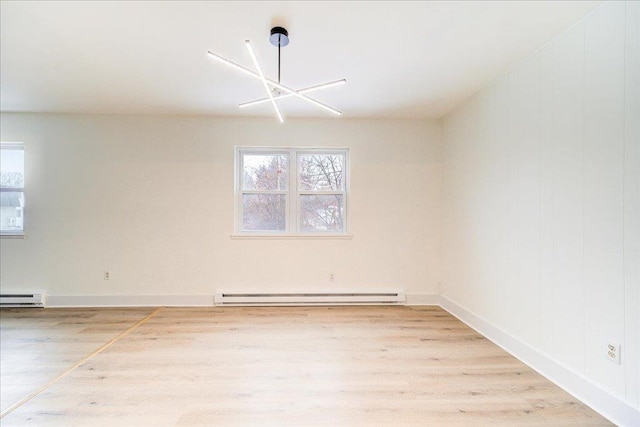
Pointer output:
x,y
314,298
22,300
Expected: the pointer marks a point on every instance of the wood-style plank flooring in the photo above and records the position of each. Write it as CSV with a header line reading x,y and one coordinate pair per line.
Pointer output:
x,y
259,366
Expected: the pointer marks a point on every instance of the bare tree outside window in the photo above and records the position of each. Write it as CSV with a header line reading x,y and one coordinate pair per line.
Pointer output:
x,y
269,203
11,179
322,174
266,179
265,172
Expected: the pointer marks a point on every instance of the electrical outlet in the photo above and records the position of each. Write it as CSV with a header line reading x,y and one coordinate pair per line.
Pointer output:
x,y
613,352
332,277
107,275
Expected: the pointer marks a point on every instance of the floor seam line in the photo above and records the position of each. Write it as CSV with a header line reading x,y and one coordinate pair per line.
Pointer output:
x,y
79,363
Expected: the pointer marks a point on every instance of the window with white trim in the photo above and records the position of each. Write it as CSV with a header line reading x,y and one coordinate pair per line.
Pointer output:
x,y
11,189
291,191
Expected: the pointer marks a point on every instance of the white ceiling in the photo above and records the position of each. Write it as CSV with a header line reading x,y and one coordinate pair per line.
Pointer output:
x,y
400,59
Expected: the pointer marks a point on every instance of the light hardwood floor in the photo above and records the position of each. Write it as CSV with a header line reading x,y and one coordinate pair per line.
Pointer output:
x,y
284,366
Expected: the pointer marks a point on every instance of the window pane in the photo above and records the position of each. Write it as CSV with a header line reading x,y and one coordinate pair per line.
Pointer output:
x,y
321,213
11,205
265,172
321,172
263,212
11,168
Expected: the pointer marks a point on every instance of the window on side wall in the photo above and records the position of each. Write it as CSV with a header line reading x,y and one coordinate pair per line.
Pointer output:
x,y
11,189
291,191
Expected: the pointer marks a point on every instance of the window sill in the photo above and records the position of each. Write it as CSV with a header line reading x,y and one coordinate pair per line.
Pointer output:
x,y
269,236
13,236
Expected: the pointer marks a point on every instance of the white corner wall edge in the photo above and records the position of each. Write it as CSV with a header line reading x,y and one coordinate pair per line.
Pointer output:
x,y
614,409
60,301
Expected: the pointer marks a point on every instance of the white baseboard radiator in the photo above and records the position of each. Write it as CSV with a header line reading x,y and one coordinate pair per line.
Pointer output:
x,y
22,300
320,298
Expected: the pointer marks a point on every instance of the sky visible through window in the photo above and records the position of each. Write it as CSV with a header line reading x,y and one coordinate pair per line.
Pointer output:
x,y
12,161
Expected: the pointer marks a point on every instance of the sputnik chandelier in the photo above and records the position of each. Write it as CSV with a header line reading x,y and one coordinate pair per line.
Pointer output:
x,y
275,90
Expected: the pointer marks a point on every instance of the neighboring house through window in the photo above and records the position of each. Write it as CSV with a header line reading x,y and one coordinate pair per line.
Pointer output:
x,y
11,189
293,191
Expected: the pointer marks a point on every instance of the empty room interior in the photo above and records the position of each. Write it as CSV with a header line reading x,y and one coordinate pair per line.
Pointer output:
x,y
332,213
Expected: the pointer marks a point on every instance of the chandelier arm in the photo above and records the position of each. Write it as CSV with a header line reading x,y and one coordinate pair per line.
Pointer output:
x,y
306,98
273,83
263,79
288,95
235,65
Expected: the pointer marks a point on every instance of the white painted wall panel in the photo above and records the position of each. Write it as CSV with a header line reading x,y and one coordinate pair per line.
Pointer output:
x,y
560,181
568,133
499,207
603,183
632,200
491,197
512,221
526,138
547,282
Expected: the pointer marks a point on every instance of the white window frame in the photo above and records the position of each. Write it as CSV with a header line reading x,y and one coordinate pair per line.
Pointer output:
x,y
292,194
7,233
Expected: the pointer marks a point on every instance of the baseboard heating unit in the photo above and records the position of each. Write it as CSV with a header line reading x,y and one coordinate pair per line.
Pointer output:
x,y
22,300
322,298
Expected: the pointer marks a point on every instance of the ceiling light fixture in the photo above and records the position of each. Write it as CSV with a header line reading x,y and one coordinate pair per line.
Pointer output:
x,y
279,38
287,95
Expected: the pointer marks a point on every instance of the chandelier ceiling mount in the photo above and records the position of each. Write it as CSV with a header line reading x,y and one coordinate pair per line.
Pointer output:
x,y
275,90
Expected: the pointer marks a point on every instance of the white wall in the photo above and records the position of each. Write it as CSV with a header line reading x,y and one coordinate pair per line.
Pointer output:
x,y
541,200
150,198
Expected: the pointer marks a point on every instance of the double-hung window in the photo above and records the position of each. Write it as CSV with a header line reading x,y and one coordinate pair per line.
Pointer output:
x,y
11,189
291,191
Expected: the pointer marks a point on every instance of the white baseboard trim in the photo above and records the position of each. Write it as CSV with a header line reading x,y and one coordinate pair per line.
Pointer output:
x,y
422,299
614,409
59,301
